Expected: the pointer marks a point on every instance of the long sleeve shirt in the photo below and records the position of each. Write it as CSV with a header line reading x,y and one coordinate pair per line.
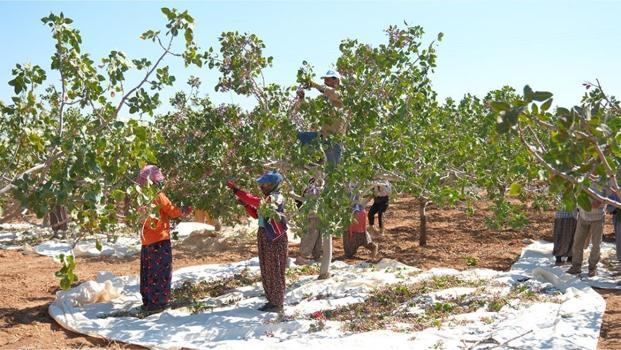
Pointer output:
x,y
335,122
158,229
334,117
273,228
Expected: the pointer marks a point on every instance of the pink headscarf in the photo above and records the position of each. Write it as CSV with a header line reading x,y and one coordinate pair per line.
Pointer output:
x,y
151,172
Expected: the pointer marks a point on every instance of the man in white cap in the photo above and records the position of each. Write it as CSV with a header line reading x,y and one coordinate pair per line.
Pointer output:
x,y
333,124
333,121
331,81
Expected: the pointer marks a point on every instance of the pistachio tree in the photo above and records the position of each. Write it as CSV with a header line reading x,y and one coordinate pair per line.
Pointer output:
x,y
77,142
497,163
578,148
69,141
394,127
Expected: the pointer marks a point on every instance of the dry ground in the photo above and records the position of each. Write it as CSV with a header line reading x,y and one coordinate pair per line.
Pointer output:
x,y
27,283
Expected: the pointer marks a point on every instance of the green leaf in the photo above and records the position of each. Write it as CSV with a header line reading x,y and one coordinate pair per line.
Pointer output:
x,y
515,189
149,34
65,283
189,36
169,14
66,273
118,195
584,201
562,111
541,96
499,106
98,245
528,93
546,105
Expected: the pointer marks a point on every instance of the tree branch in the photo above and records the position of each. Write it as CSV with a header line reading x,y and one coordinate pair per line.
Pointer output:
x,y
537,139
612,105
61,120
167,49
33,170
566,177
146,77
260,95
611,173
10,164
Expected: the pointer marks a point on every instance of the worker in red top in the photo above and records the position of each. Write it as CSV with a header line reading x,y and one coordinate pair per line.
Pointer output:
x,y
156,252
272,236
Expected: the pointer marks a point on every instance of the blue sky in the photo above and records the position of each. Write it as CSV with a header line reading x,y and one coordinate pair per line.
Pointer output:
x,y
551,45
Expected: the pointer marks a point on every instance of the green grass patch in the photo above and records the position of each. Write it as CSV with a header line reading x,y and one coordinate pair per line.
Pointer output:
x,y
385,306
191,292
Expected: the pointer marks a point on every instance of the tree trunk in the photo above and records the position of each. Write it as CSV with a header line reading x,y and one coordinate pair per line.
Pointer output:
x,y
12,213
501,190
422,213
58,218
218,225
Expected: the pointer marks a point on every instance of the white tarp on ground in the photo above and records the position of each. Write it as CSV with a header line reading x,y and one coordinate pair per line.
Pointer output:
x,y
123,246
192,236
567,315
15,236
539,254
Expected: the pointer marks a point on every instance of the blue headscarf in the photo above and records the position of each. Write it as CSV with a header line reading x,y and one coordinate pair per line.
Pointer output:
x,y
270,177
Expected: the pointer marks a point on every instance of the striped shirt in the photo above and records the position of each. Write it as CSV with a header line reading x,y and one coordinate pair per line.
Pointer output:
x,y
595,214
563,214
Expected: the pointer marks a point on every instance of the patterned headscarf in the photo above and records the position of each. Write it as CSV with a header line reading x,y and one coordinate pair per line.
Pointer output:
x,y
151,172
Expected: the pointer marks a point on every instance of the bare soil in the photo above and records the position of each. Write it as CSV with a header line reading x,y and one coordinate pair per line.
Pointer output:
x,y
28,285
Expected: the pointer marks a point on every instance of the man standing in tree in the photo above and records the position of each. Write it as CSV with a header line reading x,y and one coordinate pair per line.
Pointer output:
x,y
333,124
333,118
